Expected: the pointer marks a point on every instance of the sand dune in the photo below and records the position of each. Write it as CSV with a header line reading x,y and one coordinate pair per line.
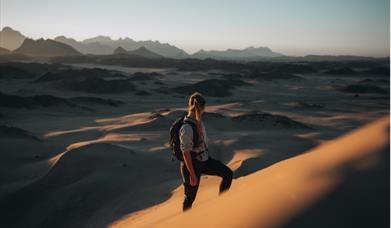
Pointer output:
x,y
94,80
13,101
11,72
364,88
212,87
276,196
214,121
14,132
20,166
72,181
44,100
140,76
110,163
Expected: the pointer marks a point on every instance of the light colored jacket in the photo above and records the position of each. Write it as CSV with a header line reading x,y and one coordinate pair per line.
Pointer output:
x,y
186,139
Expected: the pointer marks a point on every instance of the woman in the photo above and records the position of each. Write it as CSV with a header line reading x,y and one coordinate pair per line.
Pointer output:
x,y
196,159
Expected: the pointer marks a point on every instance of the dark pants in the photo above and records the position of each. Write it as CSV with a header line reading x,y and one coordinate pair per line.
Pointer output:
x,y
209,167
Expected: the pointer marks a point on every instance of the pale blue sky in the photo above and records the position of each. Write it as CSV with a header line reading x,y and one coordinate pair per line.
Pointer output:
x,y
293,27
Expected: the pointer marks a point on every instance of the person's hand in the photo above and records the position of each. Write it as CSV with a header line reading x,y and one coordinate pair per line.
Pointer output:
x,y
193,180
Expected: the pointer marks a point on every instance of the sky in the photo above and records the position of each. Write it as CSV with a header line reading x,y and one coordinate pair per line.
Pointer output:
x,y
291,27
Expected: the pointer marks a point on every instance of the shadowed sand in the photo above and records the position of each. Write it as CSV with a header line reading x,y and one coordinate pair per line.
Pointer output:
x,y
277,195
72,157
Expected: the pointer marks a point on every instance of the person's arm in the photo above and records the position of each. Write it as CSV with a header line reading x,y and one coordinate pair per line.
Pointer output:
x,y
186,140
205,136
189,164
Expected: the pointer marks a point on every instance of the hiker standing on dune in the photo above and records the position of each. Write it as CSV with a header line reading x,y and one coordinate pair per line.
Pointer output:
x,y
192,150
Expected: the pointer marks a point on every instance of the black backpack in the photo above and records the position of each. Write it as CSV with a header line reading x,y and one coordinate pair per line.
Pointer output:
x,y
174,137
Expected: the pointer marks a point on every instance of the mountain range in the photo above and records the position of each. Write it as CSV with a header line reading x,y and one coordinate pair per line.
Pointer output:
x,y
104,45
14,42
232,54
142,51
11,40
45,48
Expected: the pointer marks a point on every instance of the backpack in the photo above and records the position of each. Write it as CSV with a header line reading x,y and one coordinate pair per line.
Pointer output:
x,y
174,137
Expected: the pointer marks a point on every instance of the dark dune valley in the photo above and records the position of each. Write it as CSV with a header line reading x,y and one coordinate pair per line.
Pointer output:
x,y
84,127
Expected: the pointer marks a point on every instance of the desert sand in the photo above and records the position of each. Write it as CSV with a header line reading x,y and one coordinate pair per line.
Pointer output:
x,y
92,152
274,196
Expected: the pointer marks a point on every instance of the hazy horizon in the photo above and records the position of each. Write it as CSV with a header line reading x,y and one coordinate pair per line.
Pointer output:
x,y
344,27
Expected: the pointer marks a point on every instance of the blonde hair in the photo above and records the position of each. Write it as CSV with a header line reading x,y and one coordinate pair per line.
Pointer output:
x,y
195,104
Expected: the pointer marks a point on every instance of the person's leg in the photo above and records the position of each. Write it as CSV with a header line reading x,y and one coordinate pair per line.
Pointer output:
x,y
217,168
190,191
